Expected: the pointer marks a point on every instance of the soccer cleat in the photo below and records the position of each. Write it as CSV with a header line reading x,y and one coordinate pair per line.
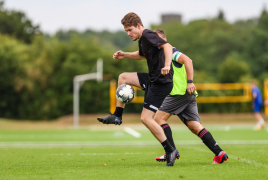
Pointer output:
x,y
260,127
263,124
220,158
111,119
164,159
171,157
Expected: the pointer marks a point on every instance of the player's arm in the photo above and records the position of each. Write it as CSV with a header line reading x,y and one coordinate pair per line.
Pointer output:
x,y
168,57
129,55
188,64
254,95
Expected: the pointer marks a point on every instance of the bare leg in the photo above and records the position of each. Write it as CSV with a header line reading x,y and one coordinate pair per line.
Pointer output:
x,y
150,123
260,122
161,117
130,79
194,126
258,116
116,117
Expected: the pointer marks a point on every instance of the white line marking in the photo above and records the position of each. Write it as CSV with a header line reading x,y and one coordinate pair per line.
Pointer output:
x,y
249,161
56,144
240,159
98,154
132,132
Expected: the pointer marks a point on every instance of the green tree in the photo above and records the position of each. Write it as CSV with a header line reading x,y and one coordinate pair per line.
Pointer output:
x,y
232,69
17,24
207,42
114,40
257,49
12,76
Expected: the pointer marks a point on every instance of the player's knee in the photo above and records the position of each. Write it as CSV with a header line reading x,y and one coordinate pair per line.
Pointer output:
x,y
122,78
159,120
143,120
156,118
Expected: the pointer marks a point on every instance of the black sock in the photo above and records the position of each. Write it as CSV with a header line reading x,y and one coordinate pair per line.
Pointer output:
x,y
168,133
118,111
168,148
209,141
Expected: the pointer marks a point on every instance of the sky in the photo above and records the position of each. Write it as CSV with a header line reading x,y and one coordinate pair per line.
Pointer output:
x,y
53,15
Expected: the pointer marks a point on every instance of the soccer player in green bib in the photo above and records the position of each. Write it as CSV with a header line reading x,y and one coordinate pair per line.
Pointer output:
x,y
182,102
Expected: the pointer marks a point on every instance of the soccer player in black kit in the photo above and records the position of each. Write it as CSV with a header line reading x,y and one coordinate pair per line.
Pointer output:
x,y
158,54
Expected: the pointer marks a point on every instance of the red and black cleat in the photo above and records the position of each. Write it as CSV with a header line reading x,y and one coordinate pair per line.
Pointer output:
x,y
164,159
220,158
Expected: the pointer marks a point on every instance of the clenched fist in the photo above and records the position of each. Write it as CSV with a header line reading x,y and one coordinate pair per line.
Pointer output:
x,y
165,70
119,55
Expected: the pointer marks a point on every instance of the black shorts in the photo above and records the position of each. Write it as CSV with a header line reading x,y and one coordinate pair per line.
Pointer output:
x,y
155,93
143,79
184,106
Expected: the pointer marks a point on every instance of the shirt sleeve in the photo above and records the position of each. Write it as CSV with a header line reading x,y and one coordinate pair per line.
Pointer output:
x,y
176,54
153,38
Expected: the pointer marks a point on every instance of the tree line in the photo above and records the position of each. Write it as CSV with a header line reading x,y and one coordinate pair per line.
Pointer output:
x,y
37,69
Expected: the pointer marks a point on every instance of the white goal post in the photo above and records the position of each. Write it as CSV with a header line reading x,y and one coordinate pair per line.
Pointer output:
x,y
78,82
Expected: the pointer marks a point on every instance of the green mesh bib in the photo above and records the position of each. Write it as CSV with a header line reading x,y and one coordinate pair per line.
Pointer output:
x,y
179,80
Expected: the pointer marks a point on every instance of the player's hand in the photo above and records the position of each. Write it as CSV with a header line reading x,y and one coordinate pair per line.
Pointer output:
x,y
119,55
191,88
165,70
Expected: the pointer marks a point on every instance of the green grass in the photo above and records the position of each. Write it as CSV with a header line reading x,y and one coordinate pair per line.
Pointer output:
x,y
81,154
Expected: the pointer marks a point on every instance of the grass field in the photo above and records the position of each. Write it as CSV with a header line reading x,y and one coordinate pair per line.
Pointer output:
x,y
109,152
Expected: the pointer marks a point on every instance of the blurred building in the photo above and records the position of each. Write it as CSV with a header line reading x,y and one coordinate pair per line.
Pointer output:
x,y
165,18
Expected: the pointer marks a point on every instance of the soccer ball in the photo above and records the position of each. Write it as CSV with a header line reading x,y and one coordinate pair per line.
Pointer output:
x,y
125,93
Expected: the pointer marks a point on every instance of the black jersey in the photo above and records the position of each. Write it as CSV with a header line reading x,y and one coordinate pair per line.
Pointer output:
x,y
149,48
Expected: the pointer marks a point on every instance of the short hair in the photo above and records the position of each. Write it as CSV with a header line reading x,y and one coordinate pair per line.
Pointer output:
x,y
161,32
254,81
131,19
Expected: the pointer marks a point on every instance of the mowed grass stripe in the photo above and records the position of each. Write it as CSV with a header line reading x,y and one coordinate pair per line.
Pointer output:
x,y
122,143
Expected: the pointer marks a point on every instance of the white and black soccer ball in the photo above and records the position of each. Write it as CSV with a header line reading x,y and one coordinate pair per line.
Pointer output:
x,y
125,93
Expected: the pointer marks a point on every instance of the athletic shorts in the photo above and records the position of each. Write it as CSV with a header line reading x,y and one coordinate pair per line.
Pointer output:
x,y
257,108
143,79
154,93
184,106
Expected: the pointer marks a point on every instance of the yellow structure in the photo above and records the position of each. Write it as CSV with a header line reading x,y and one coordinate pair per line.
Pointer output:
x,y
266,96
112,95
225,99
246,97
